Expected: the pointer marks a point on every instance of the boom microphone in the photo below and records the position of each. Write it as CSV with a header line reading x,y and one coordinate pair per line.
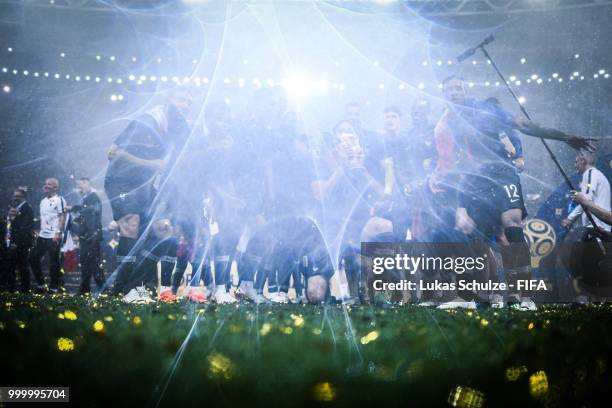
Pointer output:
x,y
470,51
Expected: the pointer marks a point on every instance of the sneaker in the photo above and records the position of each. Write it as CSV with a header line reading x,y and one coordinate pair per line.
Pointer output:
x,y
302,300
138,295
527,304
131,297
259,299
278,297
166,295
248,292
223,297
514,301
497,301
581,300
351,300
457,303
196,294
429,303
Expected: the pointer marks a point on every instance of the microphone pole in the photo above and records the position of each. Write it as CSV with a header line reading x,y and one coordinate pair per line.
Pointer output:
x,y
482,48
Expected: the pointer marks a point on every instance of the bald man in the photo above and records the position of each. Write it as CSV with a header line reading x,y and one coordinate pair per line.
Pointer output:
x,y
49,240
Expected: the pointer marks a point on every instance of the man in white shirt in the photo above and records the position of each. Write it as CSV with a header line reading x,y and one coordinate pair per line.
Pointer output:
x,y
49,240
594,186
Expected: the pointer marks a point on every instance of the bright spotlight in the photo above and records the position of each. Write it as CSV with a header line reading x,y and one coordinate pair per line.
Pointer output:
x,y
6,89
324,85
297,85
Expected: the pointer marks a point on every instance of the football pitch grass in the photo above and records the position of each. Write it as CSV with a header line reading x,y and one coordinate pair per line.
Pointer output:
x,y
181,354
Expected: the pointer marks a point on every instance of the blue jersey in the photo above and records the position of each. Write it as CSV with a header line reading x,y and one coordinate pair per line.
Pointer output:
x,y
478,128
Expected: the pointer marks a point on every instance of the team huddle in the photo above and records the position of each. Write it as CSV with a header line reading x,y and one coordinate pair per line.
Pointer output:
x,y
290,211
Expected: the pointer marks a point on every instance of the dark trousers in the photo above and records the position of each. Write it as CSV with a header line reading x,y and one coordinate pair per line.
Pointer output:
x,y
224,250
16,260
52,250
90,258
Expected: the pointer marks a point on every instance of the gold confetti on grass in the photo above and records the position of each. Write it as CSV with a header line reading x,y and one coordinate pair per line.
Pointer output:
x,y
70,315
514,373
466,397
298,320
65,344
98,326
220,366
370,337
538,384
265,329
324,392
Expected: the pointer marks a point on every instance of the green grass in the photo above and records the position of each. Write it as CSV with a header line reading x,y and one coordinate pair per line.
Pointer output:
x,y
304,355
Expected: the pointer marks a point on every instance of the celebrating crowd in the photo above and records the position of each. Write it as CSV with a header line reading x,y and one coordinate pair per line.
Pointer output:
x,y
201,207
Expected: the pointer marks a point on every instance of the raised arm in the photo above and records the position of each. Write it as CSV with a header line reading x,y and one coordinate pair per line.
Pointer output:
x,y
532,129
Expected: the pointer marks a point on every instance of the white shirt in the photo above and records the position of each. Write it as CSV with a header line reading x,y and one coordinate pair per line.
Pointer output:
x,y
596,187
51,208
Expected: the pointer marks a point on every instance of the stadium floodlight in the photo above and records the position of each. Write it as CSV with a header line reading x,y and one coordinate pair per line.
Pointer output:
x,y
298,86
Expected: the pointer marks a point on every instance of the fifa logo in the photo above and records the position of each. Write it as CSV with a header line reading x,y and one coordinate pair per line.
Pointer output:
x,y
541,237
